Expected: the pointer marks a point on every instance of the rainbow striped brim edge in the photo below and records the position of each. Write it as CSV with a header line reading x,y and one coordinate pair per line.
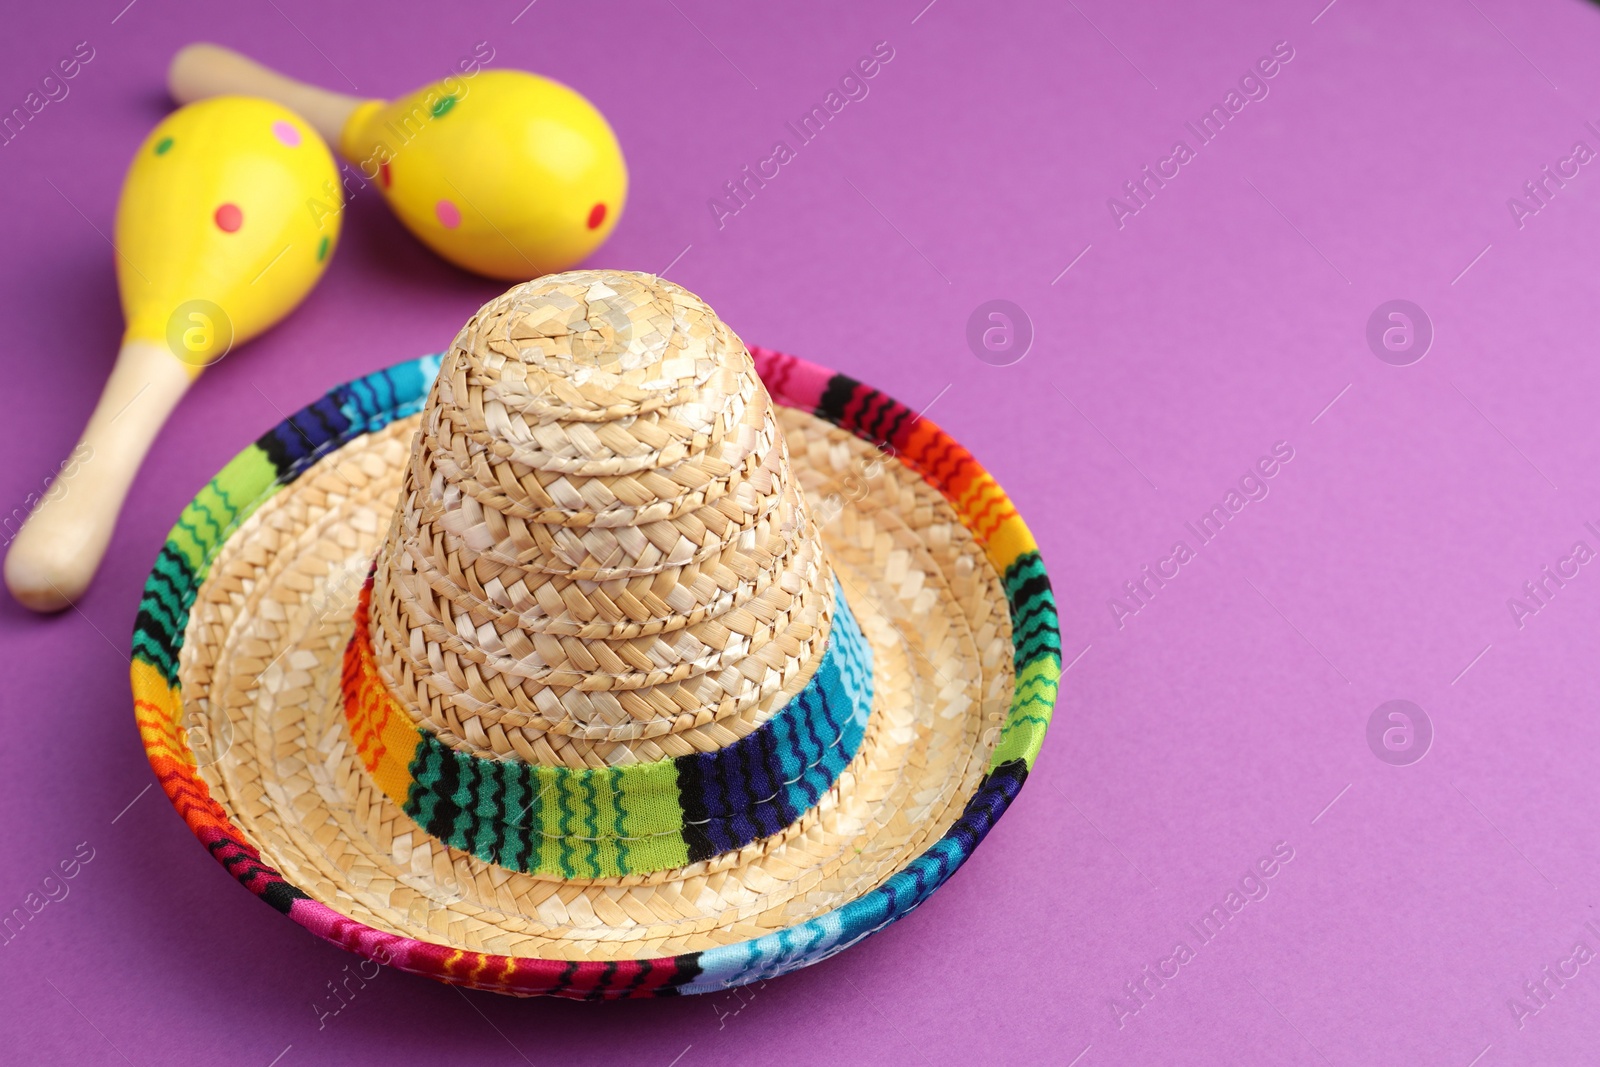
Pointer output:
x,y
279,456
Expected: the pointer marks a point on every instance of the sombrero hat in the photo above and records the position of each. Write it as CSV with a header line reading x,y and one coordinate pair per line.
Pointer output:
x,y
676,666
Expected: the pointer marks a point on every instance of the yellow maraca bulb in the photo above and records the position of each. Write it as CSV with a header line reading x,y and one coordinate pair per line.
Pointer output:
x,y
228,216
504,173
224,210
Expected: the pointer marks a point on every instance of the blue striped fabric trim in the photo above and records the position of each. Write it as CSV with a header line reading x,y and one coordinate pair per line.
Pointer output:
x,y
766,780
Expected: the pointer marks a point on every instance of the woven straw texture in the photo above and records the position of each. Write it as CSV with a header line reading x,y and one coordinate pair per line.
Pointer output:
x,y
600,557
247,614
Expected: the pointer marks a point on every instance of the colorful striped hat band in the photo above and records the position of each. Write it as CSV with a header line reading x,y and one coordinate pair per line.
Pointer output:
x,y
632,818
602,637
599,656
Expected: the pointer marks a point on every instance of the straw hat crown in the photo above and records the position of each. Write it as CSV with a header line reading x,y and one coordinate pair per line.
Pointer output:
x,y
600,556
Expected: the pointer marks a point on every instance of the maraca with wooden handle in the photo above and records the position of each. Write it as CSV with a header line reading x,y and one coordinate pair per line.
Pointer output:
x,y
501,172
228,215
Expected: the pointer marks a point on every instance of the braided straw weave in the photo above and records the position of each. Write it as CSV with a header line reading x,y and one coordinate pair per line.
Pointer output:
x,y
601,556
549,586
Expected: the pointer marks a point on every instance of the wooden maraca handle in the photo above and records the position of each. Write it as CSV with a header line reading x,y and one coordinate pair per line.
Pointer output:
x,y
60,546
200,71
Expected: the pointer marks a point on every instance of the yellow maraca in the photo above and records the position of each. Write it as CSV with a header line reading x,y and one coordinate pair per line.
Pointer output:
x,y
228,215
501,172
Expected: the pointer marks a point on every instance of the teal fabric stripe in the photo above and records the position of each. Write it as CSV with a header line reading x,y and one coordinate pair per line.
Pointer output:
x,y
809,778
1034,629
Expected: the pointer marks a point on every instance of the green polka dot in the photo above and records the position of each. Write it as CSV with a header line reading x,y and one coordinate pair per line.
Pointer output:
x,y
322,249
442,105
162,146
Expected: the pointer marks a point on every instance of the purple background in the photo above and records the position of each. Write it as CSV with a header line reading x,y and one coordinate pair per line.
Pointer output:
x,y
1224,317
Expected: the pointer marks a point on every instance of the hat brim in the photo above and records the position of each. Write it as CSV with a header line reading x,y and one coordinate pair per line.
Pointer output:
x,y
245,618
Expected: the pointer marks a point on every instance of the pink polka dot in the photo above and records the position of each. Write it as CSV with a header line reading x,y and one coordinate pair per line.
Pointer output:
x,y
229,218
285,132
449,214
